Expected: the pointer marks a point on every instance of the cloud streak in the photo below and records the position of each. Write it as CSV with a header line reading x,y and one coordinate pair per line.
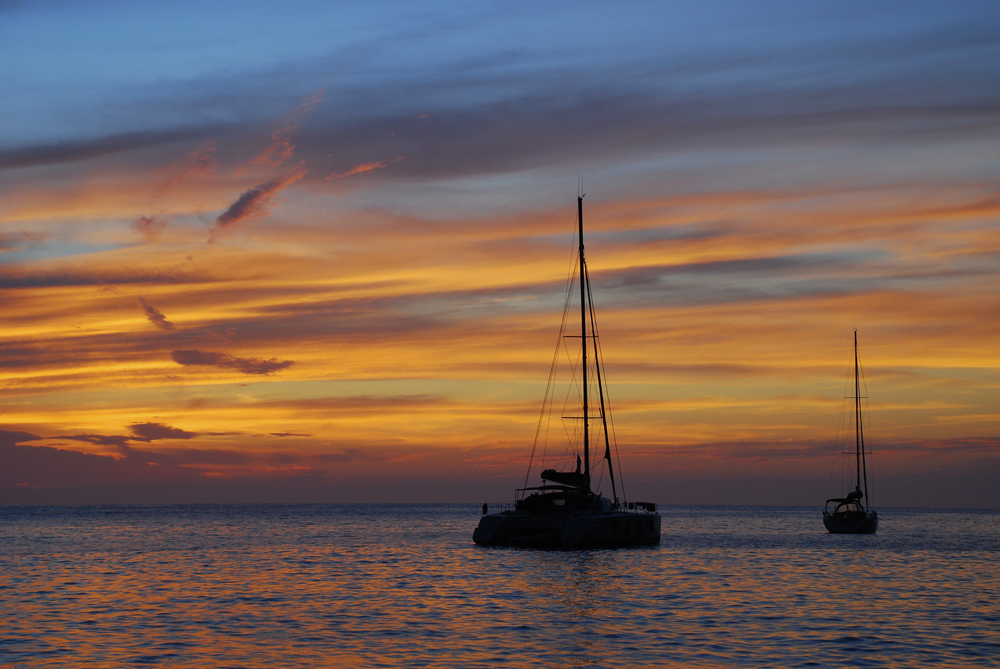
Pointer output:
x,y
255,202
155,316
281,148
155,431
100,276
87,149
150,227
364,168
259,366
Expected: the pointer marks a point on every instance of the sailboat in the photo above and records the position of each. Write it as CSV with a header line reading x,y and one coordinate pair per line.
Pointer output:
x,y
851,514
564,511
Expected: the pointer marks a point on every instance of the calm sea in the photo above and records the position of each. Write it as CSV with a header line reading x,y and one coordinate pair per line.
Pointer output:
x,y
404,586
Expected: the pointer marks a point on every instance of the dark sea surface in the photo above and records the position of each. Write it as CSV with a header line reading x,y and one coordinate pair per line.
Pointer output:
x,y
404,586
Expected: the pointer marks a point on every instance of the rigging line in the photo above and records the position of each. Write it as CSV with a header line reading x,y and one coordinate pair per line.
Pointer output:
x,y
549,390
610,414
606,398
547,400
862,465
829,479
572,385
864,413
547,406
602,390
846,429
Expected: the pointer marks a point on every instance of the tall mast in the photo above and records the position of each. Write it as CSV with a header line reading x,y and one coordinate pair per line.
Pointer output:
x,y
858,439
583,344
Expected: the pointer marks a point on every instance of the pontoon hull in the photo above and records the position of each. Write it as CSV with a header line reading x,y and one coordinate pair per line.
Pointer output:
x,y
613,529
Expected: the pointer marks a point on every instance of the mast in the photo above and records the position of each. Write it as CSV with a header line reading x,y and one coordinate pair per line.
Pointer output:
x,y
857,416
583,344
860,463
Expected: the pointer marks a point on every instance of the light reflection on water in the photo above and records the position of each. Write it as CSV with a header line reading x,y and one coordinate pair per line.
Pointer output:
x,y
402,586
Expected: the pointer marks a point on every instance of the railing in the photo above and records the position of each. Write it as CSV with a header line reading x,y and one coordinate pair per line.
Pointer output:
x,y
635,507
499,507
648,507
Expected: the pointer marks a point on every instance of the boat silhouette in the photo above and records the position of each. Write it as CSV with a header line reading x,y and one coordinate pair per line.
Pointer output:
x,y
852,514
564,511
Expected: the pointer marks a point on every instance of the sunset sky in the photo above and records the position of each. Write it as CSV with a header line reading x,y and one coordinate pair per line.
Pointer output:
x,y
305,251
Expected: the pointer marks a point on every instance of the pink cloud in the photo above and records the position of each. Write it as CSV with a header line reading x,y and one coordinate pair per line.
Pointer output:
x,y
365,167
150,227
281,147
200,162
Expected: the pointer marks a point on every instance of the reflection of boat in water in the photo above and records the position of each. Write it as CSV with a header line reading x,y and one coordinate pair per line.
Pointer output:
x,y
565,512
850,514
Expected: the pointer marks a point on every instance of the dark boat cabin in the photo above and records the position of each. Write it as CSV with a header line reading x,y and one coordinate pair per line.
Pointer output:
x,y
557,499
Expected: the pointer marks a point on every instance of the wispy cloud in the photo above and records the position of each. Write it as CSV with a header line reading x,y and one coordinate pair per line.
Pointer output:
x,y
200,162
255,202
141,433
150,227
20,241
195,357
365,167
94,277
155,431
86,149
155,316
281,147
119,440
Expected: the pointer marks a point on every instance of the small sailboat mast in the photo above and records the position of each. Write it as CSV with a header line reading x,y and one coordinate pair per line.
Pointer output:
x,y
850,514
859,434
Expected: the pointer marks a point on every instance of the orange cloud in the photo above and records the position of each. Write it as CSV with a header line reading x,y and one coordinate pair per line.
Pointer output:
x,y
722,316
365,167
198,163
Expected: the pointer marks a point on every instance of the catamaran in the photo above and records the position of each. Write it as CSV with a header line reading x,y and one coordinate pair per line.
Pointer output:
x,y
565,511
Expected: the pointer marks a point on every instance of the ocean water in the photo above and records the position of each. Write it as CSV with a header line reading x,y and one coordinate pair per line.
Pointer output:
x,y
404,586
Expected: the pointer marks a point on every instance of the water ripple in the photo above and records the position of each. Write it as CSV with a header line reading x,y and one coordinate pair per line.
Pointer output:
x,y
401,586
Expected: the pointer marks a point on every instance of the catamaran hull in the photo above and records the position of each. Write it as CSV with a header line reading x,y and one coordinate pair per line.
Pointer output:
x,y
851,522
586,530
